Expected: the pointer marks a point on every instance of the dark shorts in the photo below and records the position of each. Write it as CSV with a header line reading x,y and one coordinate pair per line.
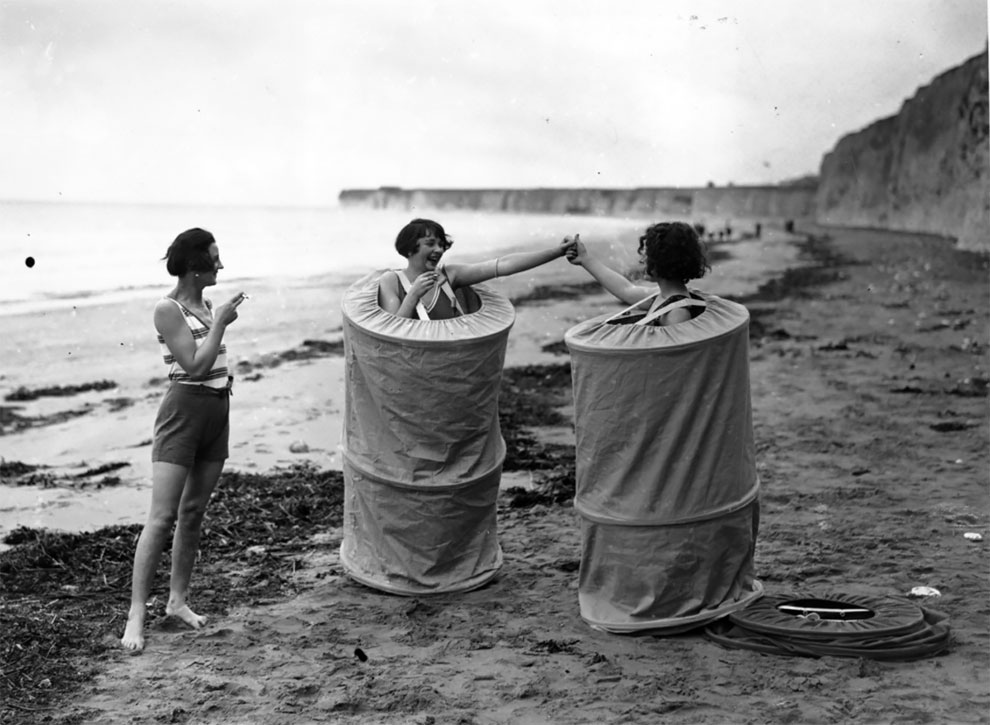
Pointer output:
x,y
193,424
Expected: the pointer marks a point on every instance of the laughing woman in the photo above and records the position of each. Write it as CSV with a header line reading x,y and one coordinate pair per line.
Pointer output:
x,y
191,429
431,291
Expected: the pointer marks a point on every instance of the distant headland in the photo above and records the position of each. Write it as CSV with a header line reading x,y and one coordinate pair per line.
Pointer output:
x,y
924,170
770,203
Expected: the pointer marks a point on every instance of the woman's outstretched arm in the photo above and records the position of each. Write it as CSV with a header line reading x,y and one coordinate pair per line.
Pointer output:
x,y
615,283
461,275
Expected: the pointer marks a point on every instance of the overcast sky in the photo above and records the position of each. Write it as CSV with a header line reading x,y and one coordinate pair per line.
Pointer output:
x,y
288,101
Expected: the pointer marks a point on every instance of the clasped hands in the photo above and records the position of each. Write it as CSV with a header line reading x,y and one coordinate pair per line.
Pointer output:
x,y
574,249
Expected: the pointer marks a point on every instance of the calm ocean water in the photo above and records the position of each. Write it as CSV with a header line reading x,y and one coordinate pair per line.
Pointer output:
x,y
80,311
64,255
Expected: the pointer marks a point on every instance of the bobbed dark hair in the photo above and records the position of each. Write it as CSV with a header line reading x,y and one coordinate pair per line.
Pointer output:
x,y
673,250
407,240
190,252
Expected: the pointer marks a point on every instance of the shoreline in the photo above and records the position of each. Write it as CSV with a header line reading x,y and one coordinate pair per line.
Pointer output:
x,y
288,393
869,387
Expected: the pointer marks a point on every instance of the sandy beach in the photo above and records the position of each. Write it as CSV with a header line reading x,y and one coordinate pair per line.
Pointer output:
x,y
868,362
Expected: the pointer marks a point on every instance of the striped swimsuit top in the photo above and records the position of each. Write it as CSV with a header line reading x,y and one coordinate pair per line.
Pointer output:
x,y
217,377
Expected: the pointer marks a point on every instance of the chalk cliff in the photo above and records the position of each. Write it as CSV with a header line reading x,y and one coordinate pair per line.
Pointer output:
x,y
762,203
926,169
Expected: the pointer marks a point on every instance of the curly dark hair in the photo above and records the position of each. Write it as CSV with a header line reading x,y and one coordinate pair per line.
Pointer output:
x,y
190,252
407,241
673,250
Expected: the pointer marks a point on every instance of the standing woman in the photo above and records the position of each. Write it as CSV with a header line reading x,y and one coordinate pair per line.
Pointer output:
x,y
191,430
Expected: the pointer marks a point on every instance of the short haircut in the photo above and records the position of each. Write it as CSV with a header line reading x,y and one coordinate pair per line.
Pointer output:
x,y
190,252
407,241
673,250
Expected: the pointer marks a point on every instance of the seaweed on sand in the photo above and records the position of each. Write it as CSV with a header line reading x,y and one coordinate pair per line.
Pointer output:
x,y
24,394
795,283
531,397
555,292
307,350
65,596
17,473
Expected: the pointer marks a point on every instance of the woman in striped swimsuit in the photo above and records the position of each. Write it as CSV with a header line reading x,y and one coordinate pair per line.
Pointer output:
x,y
673,255
430,291
191,429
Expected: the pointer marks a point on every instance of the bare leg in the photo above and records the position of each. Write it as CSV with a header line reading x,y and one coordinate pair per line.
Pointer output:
x,y
185,544
168,482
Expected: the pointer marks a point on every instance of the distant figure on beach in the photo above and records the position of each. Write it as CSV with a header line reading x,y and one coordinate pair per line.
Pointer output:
x,y
431,291
673,255
192,427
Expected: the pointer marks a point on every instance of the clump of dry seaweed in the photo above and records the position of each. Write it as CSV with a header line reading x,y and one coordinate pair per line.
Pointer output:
x,y
23,393
531,397
66,595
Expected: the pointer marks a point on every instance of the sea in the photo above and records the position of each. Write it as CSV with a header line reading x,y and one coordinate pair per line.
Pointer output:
x,y
77,280
61,255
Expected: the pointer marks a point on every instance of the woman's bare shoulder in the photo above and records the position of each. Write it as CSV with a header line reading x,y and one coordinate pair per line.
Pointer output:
x,y
389,279
167,315
166,305
461,275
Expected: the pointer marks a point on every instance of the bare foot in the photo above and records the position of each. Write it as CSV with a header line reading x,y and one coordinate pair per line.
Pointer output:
x,y
187,615
133,639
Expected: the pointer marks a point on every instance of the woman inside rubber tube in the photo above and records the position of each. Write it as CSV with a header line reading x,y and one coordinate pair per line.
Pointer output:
x,y
673,254
428,290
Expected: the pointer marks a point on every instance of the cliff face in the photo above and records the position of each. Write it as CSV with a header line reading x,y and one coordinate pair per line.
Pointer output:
x,y
762,203
927,169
